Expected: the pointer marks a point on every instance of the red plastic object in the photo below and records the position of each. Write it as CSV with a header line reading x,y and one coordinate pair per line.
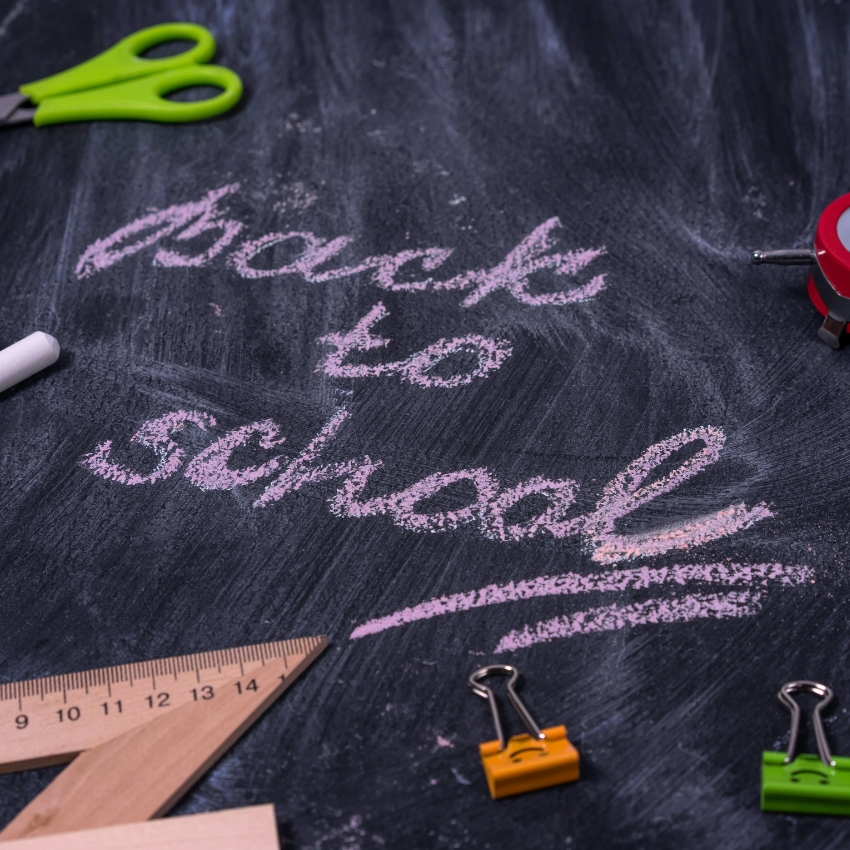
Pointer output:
x,y
833,256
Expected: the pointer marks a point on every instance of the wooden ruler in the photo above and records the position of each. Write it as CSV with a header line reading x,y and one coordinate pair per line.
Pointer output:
x,y
136,762
254,827
51,720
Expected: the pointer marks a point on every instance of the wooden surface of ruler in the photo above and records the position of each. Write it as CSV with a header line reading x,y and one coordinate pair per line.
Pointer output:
x,y
52,719
252,828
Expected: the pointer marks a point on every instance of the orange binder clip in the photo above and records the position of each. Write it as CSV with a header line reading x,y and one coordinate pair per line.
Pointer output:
x,y
537,759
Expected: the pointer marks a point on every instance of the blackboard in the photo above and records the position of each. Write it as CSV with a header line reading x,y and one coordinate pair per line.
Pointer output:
x,y
651,519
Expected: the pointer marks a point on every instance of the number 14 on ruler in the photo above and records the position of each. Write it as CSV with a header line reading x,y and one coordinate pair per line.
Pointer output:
x,y
50,720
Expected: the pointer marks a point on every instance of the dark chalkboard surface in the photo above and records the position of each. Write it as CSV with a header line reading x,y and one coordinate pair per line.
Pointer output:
x,y
455,306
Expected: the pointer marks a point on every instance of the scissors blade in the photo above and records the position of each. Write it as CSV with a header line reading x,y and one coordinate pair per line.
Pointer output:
x,y
9,103
19,116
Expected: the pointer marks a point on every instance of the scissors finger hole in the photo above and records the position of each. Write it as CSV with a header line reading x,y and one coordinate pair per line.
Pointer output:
x,y
166,49
191,94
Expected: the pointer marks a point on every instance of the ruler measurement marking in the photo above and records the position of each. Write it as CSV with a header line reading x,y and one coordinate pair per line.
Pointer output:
x,y
133,674
100,703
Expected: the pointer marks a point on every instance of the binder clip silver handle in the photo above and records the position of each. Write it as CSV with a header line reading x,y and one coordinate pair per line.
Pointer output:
x,y
487,693
791,704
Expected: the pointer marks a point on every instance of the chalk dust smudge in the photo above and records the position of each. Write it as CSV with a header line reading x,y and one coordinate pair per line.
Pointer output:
x,y
624,494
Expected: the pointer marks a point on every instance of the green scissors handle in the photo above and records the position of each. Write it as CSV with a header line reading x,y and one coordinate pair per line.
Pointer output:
x,y
144,99
123,62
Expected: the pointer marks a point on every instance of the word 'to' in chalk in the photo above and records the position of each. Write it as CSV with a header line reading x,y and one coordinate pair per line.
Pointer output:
x,y
26,357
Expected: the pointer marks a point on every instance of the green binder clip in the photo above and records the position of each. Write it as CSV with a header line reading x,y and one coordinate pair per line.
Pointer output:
x,y
807,784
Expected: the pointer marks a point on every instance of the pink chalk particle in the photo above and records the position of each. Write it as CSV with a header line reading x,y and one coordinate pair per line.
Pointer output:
x,y
738,517
302,469
210,219
346,501
360,338
491,354
386,266
402,506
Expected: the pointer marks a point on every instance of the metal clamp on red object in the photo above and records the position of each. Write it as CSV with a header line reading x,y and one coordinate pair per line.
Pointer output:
x,y
829,282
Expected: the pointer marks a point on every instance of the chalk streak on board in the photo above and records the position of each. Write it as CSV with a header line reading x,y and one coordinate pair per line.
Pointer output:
x,y
156,434
17,9
751,575
416,369
627,492
695,606
535,253
209,470
196,217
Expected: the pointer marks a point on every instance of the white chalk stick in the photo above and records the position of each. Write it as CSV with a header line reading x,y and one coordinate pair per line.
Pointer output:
x,y
26,357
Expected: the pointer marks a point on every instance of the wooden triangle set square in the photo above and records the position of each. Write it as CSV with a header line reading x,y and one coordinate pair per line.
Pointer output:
x,y
138,736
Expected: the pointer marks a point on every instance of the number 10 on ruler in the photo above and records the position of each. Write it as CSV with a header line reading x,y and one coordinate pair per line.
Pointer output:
x,y
50,720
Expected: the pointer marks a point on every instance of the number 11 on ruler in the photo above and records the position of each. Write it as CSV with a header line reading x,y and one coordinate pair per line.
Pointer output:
x,y
50,720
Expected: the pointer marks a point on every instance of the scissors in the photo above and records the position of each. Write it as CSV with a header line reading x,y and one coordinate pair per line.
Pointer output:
x,y
120,84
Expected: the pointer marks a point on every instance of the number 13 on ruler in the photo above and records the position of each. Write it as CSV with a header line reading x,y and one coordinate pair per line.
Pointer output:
x,y
49,721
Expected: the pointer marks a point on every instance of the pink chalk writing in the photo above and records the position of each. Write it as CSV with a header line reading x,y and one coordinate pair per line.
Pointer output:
x,y
491,353
625,495
150,229
360,338
568,584
691,607
561,494
209,220
486,508
157,435
210,470
402,506
304,470
315,252
387,266
514,275
416,369
532,255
